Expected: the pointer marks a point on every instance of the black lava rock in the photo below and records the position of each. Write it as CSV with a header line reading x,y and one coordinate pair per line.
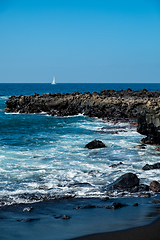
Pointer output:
x,y
128,180
95,144
149,167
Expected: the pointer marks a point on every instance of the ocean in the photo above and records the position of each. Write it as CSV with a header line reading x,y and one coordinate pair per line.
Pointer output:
x,y
44,157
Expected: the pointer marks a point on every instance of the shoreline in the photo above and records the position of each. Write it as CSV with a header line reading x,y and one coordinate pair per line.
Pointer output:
x,y
147,232
44,220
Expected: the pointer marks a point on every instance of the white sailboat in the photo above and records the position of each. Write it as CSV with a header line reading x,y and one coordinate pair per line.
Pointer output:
x,y
53,81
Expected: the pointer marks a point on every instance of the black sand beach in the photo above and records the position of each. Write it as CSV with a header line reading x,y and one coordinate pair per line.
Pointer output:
x,y
148,232
44,220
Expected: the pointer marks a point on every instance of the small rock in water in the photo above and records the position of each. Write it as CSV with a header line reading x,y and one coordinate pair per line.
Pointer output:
x,y
149,167
116,165
155,186
116,205
95,144
65,217
86,206
135,204
142,146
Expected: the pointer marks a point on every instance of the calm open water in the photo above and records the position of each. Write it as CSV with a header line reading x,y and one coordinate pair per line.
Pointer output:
x,y
43,156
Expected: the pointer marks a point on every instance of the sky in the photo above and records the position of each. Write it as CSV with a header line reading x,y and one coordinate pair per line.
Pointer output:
x,y
80,41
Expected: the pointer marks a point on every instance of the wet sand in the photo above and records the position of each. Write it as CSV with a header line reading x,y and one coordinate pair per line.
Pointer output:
x,y
43,220
148,232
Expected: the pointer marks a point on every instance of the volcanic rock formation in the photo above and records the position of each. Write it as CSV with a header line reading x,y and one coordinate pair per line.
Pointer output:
x,y
108,104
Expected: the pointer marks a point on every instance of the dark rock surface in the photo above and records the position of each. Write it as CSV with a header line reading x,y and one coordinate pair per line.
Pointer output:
x,y
127,180
140,188
149,167
155,186
149,125
95,144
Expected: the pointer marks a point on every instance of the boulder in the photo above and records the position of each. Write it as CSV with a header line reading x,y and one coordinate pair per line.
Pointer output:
x,y
149,167
127,180
95,144
155,186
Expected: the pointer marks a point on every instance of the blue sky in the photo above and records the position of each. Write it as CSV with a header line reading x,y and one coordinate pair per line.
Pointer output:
x,y
80,41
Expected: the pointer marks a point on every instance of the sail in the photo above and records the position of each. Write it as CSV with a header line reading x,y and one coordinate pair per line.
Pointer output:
x,y
53,82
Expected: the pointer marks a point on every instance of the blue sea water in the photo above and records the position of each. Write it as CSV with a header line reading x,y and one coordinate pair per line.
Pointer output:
x,y
44,157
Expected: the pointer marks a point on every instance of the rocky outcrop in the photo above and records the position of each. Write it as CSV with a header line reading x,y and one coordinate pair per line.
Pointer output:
x,y
128,180
108,104
95,144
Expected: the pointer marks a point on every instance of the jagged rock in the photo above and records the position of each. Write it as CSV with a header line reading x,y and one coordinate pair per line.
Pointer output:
x,y
95,144
149,125
155,186
149,167
128,180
